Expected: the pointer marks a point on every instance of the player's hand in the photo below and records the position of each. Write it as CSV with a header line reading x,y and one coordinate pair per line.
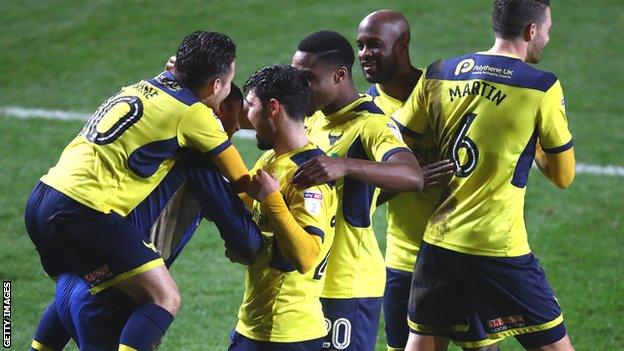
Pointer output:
x,y
320,170
438,173
263,184
170,65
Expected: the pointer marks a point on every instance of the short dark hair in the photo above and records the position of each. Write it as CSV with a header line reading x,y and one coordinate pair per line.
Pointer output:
x,y
236,95
285,84
510,17
332,47
203,56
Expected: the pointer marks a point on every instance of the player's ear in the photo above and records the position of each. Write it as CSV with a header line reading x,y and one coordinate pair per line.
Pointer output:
x,y
340,75
403,42
216,86
274,107
530,31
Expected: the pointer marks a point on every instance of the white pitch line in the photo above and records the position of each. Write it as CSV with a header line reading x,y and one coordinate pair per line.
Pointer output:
x,y
28,113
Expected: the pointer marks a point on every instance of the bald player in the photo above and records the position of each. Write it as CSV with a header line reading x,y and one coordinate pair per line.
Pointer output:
x,y
383,50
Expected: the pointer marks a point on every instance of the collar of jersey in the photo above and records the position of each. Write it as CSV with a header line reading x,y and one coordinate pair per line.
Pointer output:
x,y
307,146
338,115
386,96
498,54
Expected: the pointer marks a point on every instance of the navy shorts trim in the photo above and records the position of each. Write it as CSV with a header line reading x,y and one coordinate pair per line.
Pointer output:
x,y
509,295
101,248
351,323
240,342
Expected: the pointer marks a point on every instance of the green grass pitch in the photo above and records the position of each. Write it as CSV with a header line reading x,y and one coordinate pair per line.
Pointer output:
x,y
71,55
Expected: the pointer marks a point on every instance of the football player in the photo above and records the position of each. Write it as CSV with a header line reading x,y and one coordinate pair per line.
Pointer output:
x,y
366,152
493,114
76,215
383,50
281,308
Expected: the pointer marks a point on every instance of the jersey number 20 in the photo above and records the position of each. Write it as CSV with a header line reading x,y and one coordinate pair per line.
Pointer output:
x,y
462,141
121,124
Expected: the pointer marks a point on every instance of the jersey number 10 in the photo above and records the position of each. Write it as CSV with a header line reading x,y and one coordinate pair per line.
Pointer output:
x,y
122,123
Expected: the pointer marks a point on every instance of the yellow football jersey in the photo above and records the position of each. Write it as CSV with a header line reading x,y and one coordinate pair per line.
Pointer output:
x,y
407,212
359,130
487,112
132,141
280,304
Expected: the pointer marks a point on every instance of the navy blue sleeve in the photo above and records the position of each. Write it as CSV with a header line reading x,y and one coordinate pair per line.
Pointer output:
x,y
222,206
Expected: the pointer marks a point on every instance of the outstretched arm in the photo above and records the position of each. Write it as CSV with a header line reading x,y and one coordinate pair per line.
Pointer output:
x,y
400,172
434,174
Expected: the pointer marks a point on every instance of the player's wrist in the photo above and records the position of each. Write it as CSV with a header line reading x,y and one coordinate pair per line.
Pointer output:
x,y
348,167
274,202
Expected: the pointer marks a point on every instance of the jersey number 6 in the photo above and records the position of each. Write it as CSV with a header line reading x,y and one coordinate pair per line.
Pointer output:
x,y
462,141
121,124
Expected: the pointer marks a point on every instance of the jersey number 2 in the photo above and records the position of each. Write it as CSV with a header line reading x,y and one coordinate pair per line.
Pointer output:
x,y
320,269
462,141
121,124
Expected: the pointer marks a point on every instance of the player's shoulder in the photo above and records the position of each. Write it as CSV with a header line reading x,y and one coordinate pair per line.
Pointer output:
x,y
307,154
367,108
491,67
264,159
314,120
311,151
167,83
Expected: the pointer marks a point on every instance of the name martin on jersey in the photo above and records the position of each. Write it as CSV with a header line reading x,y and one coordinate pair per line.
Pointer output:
x,y
485,89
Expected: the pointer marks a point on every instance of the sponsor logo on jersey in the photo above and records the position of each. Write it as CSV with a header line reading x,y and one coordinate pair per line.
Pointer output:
x,y
464,66
313,201
168,82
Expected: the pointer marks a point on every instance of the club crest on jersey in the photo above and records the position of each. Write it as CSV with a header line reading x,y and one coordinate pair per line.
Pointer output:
x,y
313,201
334,138
464,66
395,131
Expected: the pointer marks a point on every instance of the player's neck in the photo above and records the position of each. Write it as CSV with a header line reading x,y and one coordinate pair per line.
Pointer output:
x,y
507,47
290,136
345,96
403,82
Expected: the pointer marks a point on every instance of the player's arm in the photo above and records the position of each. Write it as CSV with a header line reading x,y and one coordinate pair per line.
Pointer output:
x,y
434,174
399,172
200,130
232,166
299,246
559,168
221,205
390,165
555,152
247,200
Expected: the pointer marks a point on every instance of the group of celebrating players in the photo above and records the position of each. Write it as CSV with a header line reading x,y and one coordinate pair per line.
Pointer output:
x,y
448,147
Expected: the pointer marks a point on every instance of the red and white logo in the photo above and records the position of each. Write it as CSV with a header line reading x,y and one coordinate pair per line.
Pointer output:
x,y
101,272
